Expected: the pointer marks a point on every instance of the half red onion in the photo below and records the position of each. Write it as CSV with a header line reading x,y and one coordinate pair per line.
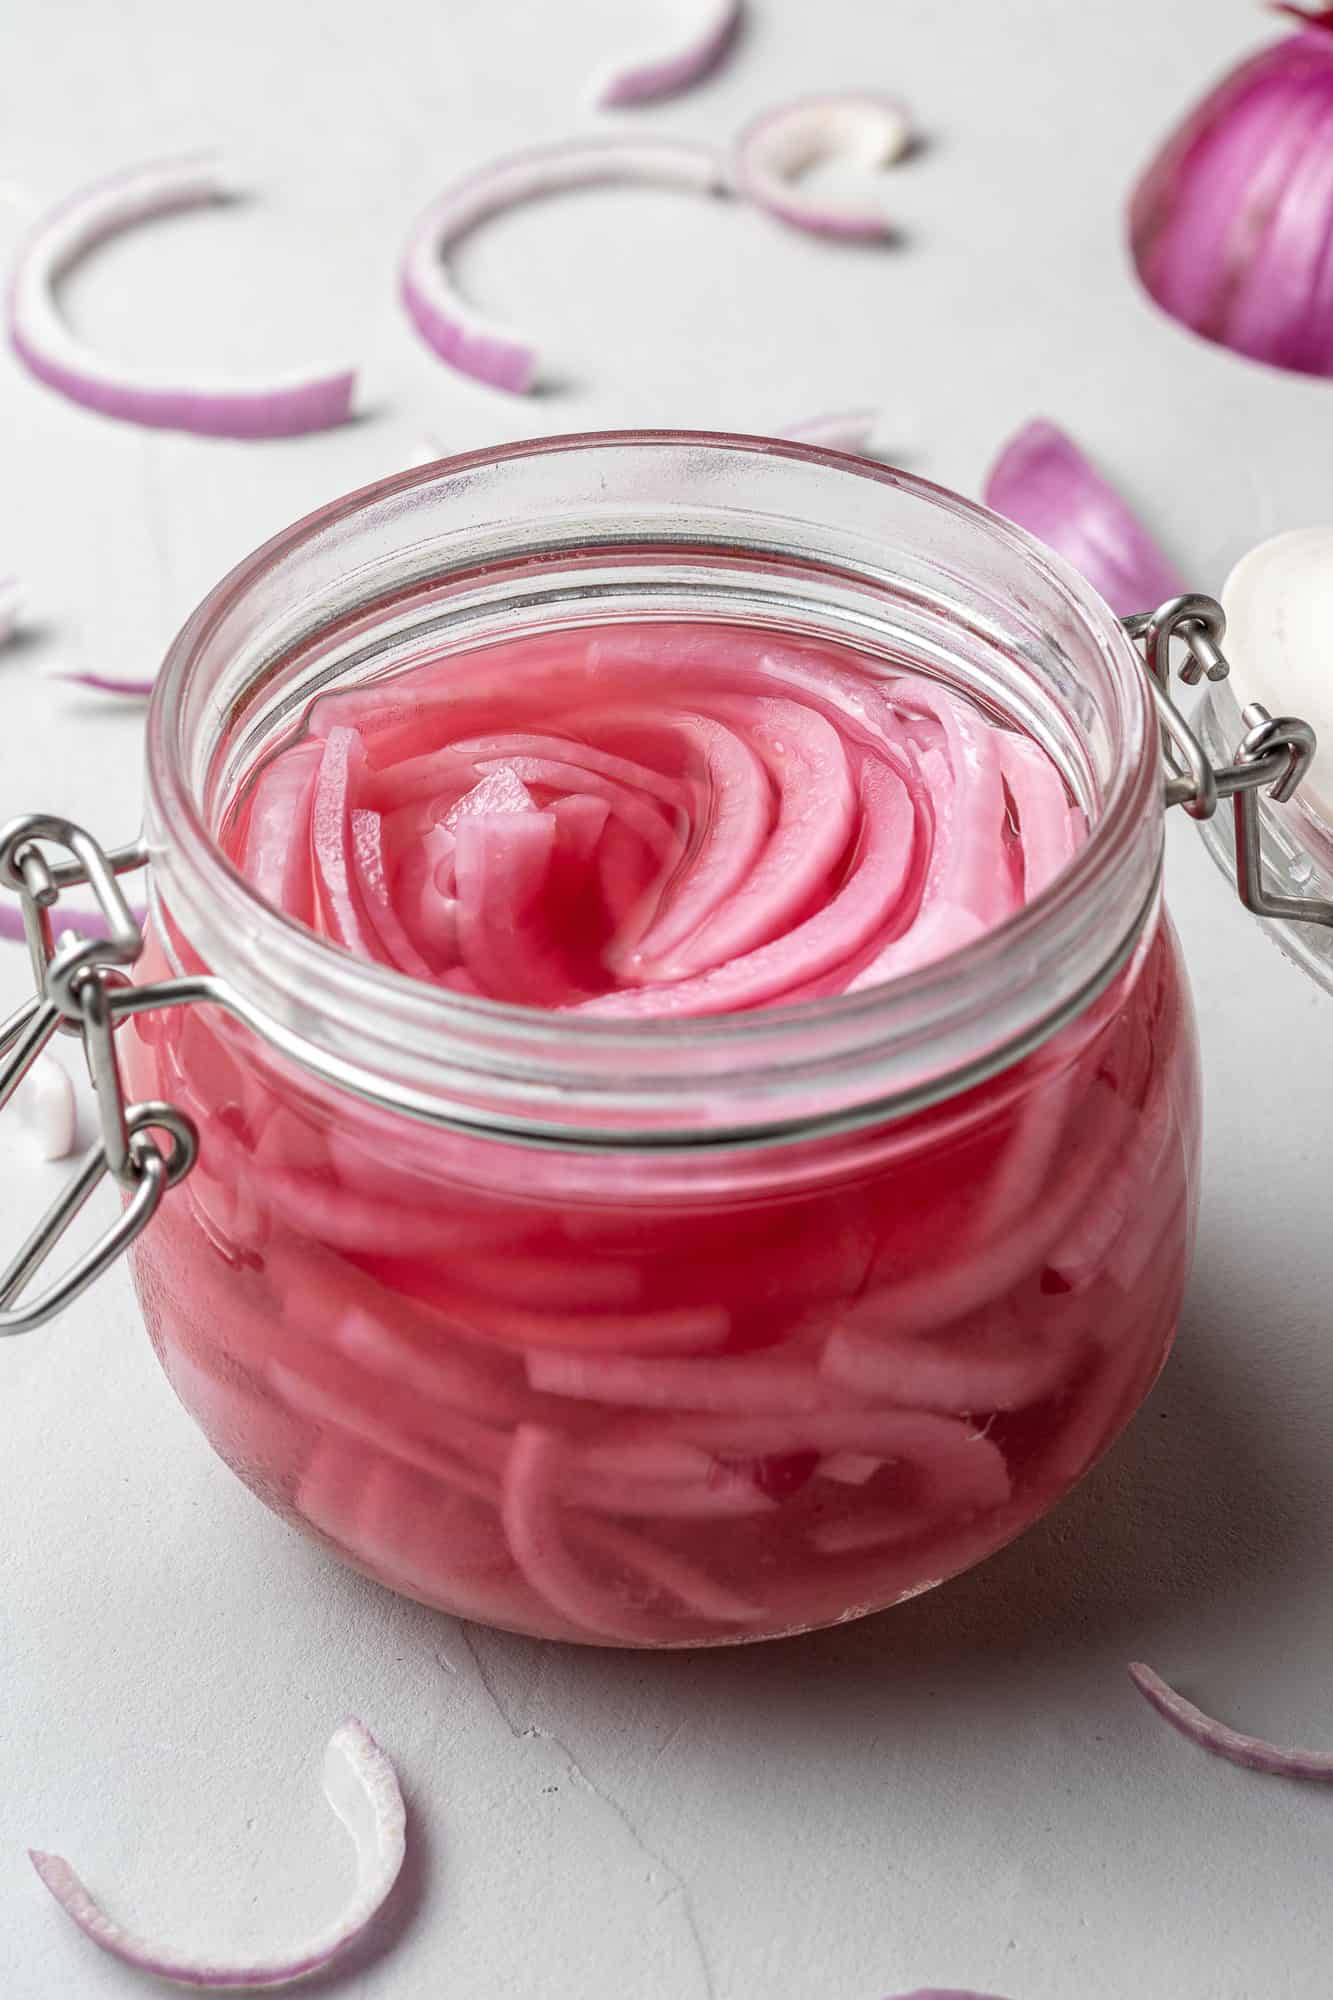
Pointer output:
x,y
362,1787
1273,1759
131,690
675,70
1230,226
469,341
47,347
839,430
775,151
1042,482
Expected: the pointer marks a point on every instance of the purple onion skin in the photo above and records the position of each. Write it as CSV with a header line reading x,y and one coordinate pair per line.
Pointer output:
x,y
1231,226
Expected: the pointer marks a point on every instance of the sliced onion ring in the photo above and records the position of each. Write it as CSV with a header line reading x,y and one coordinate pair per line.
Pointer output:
x,y
130,690
9,606
839,430
675,70
362,1787
773,153
1273,1759
282,407
466,339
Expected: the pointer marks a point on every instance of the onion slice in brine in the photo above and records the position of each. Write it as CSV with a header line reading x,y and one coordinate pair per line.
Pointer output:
x,y
282,407
1273,1759
362,1787
466,339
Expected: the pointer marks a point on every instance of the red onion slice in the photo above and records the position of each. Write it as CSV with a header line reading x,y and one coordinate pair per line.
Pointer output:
x,y
282,407
774,152
673,71
1042,482
839,430
128,690
362,1787
469,341
1273,1759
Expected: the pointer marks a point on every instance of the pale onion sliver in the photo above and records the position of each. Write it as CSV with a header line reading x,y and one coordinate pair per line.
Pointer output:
x,y
678,69
834,430
778,148
468,340
1275,1760
283,406
362,1787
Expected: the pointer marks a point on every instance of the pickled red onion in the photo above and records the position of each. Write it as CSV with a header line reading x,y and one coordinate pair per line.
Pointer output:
x,y
677,69
283,407
362,1787
1044,483
465,339
736,822
777,149
1273,1759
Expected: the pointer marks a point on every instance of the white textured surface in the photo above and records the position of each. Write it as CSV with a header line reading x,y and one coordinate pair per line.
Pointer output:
x,y
967,1791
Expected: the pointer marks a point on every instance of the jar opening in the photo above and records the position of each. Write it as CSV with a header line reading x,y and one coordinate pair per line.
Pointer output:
x,y
580,531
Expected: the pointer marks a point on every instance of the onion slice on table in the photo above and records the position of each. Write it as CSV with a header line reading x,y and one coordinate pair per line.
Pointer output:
x,y
672,71
362,1787
1042,482
9,606
1273,1759
45,1105
129,690
778,148
466,339
281,407
839,430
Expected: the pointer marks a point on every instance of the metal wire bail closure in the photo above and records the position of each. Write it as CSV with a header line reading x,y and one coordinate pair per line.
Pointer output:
x,y
78,982
1273,755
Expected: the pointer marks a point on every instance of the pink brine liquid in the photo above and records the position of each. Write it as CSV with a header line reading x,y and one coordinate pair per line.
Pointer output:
x,y
643,1398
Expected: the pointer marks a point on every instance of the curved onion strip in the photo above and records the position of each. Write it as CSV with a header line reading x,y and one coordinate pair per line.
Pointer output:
x,y
777,149
467,340
534,1481
130,690
88,923
282,407
362,1787
1273,1759
839,430
9,606
1042,482
673,71
951,1378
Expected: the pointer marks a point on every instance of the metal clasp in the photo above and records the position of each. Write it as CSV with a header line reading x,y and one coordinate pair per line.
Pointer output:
x,y
1273,755
83,988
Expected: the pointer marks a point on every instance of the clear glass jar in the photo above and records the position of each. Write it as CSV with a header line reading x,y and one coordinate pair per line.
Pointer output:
x,y
848,1293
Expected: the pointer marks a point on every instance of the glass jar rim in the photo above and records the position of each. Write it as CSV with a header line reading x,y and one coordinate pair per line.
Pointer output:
x,y
435,1055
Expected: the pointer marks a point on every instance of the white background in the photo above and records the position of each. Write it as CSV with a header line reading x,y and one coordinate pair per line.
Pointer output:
x,y
966,1791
